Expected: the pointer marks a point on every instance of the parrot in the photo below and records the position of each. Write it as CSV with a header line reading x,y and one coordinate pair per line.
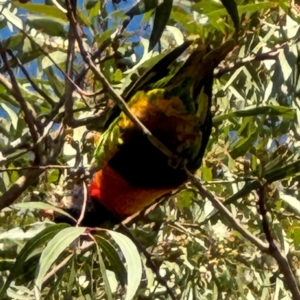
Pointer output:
x,y
173,101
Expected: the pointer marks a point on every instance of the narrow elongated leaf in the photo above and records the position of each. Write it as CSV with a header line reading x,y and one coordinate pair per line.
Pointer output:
x,y
48,25
162,15
12,114
41,205
242,146
254,7
104,275
46,10
247,188
231,8
52,251
142,7
32,245
285,172
134,265
112,255
293,202
11,17
286,112
58,57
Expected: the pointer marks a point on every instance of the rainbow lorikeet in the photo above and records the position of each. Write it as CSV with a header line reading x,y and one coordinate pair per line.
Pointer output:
x,y
174,104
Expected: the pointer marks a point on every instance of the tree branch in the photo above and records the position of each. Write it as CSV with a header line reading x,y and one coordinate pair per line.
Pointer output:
x,y
271,55
225,212
150,263
119,100
48,167
30,177
29,113
273,250
35,86
69,68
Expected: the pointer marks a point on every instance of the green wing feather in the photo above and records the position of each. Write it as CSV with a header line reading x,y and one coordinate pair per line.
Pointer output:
x,y
161,68
191,83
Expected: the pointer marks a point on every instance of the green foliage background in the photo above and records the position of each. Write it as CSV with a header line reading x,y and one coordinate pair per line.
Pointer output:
x,y
256,137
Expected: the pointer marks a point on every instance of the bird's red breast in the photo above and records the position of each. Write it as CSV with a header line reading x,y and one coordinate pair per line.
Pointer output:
x,y
119,196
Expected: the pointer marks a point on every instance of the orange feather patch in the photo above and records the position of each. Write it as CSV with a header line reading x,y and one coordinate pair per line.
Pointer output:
x,y
120,197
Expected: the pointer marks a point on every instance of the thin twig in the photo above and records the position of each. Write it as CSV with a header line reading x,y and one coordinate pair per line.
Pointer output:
x,y
225,212
83,208
57,267
269,247
20,143
32,83
30,177
271,55
69,70
75,145
119,100
111,40
278,255
62,100
29,113
150,263
48,167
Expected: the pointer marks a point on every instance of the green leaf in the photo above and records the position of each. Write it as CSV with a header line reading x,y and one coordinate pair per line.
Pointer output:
x,y
48,25
113,257
11,17
185,20
206,173
104,275
117,76
162,15
184,199
296,236
142,7
287,61
11,113
53,250
134,265
13,41
254,7
247,188
242,146
248,135
46,10
101,38
57,56
30,247
41,206
293,202
214,10
3,23
272,110
284,172
93,6
231,8
26,56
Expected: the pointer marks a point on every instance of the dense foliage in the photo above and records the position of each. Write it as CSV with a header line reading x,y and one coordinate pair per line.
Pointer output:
x,y
188,249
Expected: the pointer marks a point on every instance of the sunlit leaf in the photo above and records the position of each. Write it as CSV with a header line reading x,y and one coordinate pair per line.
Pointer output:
x,y
53,250
48,25
134,266
41,206
30,247
47,10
